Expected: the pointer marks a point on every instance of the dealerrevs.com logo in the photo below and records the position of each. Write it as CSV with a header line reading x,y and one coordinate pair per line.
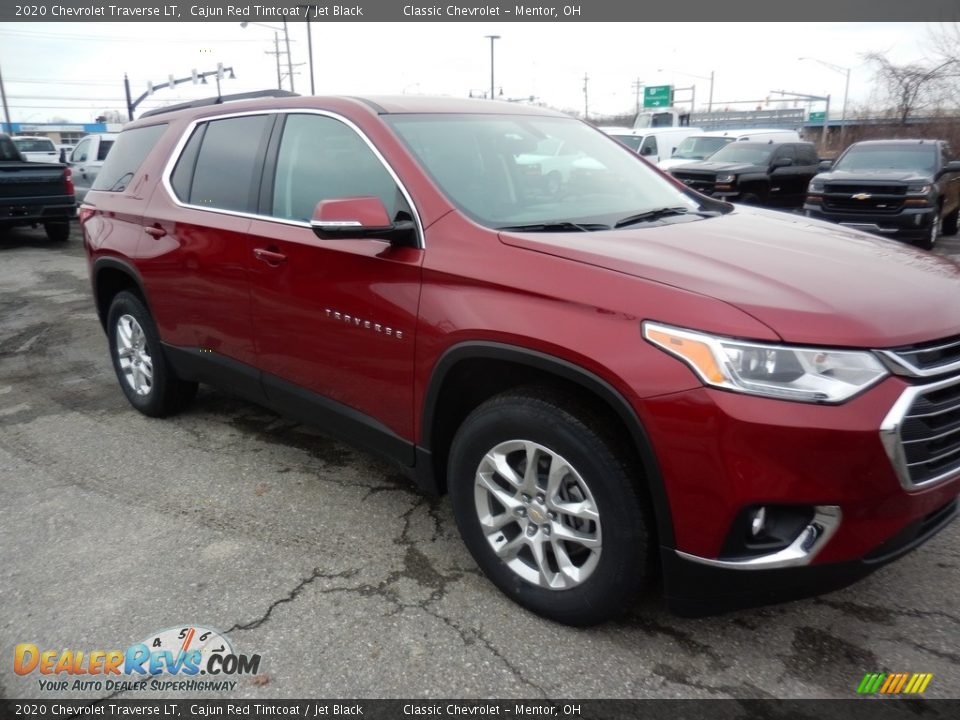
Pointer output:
x,y
188,658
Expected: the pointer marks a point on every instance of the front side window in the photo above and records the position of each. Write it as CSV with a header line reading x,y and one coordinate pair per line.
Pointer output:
x,y
631,141
81,151
500,170
649,146
321,158
133,146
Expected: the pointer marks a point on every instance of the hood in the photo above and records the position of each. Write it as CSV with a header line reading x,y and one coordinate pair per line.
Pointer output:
x,y
874,176
809,281
706,166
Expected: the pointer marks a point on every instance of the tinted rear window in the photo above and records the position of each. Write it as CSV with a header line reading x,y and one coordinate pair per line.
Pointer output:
x,y
105,146
122,164
229,158
30,145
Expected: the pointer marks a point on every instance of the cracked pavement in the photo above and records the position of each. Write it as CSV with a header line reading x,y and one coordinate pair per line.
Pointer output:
x,y
347,580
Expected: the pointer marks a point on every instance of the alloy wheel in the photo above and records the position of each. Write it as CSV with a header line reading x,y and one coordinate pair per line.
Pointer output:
x,y
134,355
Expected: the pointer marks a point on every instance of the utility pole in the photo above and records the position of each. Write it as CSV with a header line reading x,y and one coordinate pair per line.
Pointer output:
x,y
276,53
492,39
637,86
286,35
586,104
6,109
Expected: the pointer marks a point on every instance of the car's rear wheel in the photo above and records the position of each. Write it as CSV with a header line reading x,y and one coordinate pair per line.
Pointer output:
x,y
57,231
549,508
145,376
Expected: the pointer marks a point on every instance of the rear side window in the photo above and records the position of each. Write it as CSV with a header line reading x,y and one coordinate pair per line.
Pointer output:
x,y
105,146
225,174
122,164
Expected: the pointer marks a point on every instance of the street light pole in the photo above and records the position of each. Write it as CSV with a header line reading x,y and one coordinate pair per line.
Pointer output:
x,y
6,109
846,92
492,38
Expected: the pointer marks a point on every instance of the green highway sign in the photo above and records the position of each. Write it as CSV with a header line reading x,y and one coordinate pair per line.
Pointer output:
x,y
657,96
817,117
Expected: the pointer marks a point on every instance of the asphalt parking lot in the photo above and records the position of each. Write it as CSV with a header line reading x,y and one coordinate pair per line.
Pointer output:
x,y
329,565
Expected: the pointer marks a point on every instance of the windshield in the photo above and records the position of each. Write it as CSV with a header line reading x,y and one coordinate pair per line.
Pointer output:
x,y
505,171
700,148
631,141
889,157
743,153
31,145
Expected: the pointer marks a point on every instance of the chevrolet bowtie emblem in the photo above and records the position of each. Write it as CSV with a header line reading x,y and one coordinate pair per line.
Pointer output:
x,y
862,196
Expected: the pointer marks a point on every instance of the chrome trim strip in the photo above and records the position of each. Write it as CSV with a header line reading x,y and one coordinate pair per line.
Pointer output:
x,y
892,443
915,371
870,226
335,223
185,137
802,551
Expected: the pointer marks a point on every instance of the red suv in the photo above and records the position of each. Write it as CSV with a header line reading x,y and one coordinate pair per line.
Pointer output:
x,y
612,375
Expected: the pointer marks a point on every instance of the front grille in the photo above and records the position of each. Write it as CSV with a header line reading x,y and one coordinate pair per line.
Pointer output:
x,y
854,189
697,181
924,429
929,357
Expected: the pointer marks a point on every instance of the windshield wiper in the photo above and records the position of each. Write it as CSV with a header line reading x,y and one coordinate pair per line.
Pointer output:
x,y
652,215
560,226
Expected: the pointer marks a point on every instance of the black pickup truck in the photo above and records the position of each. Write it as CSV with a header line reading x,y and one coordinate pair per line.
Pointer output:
x,y
903,189
754,173
35,193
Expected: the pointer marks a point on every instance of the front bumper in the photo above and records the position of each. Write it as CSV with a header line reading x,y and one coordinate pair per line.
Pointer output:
x,y
908,224
721,452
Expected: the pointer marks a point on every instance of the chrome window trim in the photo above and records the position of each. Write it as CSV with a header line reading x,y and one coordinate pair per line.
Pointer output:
x,y
188,132
890,435
807,545
906,367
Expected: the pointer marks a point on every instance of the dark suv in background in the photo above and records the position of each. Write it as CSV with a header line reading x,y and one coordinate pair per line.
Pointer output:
x,y
754,173
905,189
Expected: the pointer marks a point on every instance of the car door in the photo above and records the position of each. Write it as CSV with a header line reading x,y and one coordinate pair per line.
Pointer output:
x,y
784,180
335,320
193,257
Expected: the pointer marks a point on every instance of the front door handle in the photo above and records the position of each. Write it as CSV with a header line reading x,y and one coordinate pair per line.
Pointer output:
x,y
270,257
155,231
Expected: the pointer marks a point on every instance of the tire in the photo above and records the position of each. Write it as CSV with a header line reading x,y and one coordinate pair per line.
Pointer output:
x,y
950,223
749,199
930,240
608,563
145,377
57,231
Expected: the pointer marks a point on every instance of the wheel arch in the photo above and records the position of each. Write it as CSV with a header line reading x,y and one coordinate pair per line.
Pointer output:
x,y
110,276
457,386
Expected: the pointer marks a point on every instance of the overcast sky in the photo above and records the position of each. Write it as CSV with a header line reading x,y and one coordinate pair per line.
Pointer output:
x,y
83,63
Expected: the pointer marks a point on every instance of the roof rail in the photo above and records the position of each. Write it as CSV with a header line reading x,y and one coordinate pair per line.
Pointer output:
x,y
220,99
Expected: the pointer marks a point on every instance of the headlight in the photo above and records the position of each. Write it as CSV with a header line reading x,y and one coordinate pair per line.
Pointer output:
x,y
726,178
816,186
918,189
777,371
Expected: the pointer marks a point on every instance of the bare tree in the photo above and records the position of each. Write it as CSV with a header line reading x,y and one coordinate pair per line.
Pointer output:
x,y
945,42
912,87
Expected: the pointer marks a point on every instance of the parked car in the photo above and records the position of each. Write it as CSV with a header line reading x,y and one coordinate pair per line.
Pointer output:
x,y
33,193
36,149
87,158
903,189
626,381
704,145
755,173
655,144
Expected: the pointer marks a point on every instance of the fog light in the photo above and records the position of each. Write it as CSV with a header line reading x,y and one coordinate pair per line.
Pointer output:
x,y
758,521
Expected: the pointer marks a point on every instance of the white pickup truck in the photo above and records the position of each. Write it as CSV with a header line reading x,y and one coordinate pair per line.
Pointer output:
x,y
87,158
36,149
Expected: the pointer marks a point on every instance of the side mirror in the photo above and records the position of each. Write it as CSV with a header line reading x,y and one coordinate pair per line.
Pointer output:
x,y
360,217
951,167
782,162
825,165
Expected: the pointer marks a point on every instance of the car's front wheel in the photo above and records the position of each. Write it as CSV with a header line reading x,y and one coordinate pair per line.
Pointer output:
x,y
146,378
550,510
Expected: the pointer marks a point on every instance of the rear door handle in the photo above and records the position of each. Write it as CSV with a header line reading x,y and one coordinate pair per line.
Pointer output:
x,y
270,257
155,231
